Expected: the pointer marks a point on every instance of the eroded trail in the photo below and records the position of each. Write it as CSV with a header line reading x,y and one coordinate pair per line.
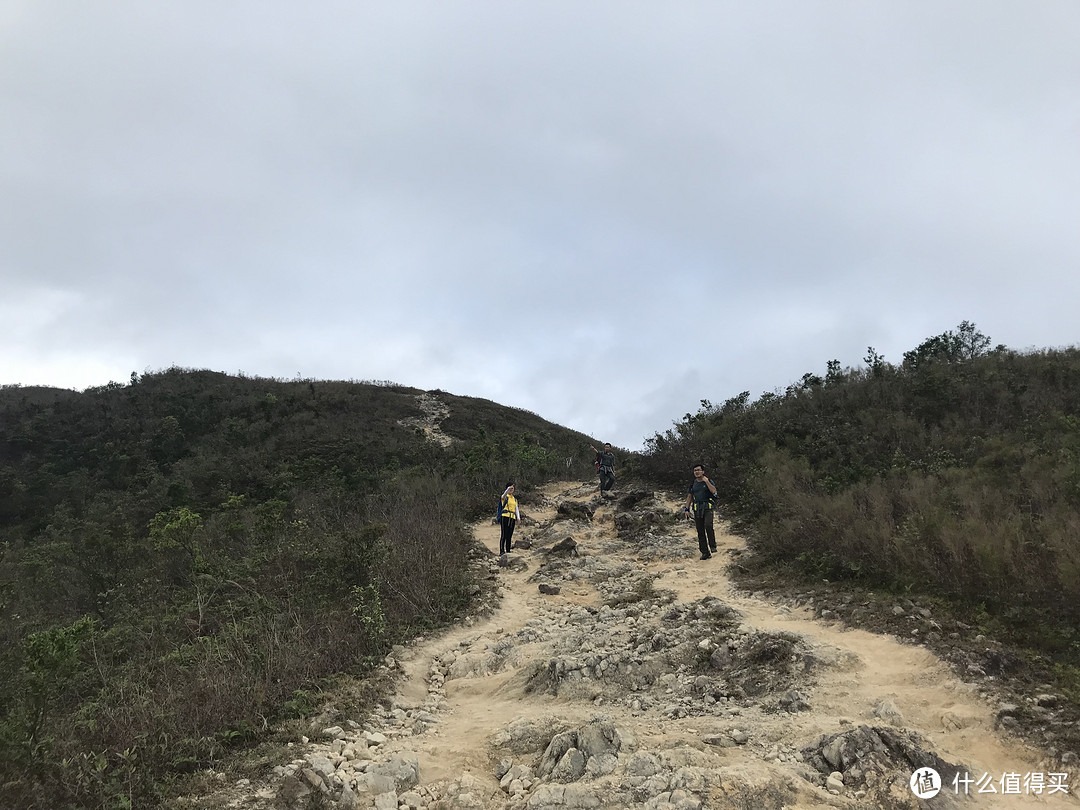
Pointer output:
x,y
648,681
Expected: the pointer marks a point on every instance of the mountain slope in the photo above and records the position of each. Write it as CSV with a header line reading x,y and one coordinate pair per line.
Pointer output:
x,y
632,675
187,557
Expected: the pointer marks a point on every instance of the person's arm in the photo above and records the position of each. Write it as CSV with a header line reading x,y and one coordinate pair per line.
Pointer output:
x,y
710,485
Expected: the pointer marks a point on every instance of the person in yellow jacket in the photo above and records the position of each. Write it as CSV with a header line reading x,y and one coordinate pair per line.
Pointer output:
x,y
508,518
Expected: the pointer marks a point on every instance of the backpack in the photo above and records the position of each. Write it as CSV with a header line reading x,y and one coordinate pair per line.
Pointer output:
x,y
710,502
498,512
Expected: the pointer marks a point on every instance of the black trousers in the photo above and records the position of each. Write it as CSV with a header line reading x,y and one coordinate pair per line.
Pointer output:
x,y
706,534
607,480
508,524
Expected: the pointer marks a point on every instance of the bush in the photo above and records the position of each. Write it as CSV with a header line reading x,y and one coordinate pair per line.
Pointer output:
x,y
956,474
189,558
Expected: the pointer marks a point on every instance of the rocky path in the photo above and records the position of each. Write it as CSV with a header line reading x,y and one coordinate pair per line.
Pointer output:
x,y
620,671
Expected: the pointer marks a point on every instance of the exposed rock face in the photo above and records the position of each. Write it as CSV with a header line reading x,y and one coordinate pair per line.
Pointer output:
x,y
568,545
869,756
632,500
576,510
593,748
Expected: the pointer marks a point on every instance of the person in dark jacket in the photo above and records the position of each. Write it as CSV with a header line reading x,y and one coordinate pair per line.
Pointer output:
x,y
605,466
702,497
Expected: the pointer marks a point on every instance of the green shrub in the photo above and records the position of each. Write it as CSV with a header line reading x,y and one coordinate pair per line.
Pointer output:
x,y
190,558
955,474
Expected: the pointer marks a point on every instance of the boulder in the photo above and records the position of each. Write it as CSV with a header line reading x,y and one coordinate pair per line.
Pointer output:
x,y
795,701
555,751
598,737
568,546
515,773
643,764
570,767
374,784
404,770
528,736
886,710
632,499
879,749
601,765
575,510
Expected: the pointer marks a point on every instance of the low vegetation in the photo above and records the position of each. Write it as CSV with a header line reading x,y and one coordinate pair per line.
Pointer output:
x,y
954,473
186,560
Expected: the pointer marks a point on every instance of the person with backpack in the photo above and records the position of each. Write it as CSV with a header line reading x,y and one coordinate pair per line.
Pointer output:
x,y
605,466
508,518
702,496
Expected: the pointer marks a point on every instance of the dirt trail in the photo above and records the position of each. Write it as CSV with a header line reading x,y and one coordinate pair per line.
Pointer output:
x,y
692,731
868,669
865,669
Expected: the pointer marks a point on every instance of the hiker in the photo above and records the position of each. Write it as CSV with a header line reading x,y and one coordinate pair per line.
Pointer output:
x,y
605,466
702,497
509,516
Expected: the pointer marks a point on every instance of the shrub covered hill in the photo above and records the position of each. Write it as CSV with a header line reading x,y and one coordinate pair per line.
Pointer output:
x,y
185,559
954,474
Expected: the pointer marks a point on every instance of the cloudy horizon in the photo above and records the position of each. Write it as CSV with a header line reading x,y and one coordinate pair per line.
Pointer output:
x,y
601,212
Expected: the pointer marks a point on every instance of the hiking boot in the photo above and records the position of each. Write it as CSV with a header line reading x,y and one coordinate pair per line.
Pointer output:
x,y
706,556
712,549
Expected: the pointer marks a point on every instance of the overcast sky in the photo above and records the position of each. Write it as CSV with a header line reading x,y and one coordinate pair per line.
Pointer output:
x,y
602,212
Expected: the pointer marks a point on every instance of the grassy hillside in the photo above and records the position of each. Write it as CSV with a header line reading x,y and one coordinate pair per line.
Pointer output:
x,y
954,473
186,558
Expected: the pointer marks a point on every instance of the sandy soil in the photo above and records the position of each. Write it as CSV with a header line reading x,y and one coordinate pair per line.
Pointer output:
x,y
862,670
453,716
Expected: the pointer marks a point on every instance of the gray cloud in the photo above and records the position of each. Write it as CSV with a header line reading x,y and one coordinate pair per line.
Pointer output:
x,y
601,212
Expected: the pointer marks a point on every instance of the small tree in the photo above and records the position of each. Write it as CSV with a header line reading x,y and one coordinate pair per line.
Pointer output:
x,y
970,342
874,361
961,346
178,528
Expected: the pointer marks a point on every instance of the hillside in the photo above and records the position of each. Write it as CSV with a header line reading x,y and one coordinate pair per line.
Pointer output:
x,y
619,671
196,565
952,476
187,558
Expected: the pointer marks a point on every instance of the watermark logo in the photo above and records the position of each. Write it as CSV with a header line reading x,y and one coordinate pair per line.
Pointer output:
x,y
926,783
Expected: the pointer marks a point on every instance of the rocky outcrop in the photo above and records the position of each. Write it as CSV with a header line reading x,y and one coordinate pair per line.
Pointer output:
x,y
567,546
576,510
870,756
